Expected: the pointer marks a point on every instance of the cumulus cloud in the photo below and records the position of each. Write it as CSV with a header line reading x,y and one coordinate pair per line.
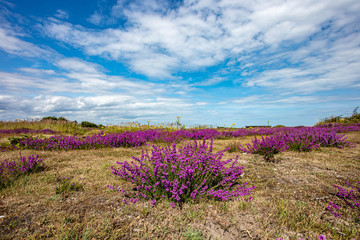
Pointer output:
x,y
292,48
75,76
159,41
119,107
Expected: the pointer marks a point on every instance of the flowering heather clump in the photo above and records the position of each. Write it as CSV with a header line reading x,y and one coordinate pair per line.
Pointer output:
x,y
58,142
184,174
295,139
350,197
25,131
268,147
298,139
306,139
10,171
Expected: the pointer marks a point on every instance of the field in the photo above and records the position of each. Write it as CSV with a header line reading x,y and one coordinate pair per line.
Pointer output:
x,y
69,198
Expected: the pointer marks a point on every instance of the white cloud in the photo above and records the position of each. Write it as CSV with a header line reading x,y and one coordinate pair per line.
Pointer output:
x,y
96,18
78,65
37,71
75,76
13,45
62,14
9,4
32,82
211,81
118,107
321,65
158,42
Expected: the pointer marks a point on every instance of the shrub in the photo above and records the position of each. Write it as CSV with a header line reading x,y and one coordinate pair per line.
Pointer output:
x,y
88,124
350,197
50,118
307,139
54,118
279,126
11,170
267,147
184,174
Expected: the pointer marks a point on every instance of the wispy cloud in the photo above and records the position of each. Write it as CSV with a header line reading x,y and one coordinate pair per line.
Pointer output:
x,y
200,34
62,14
216,58
13,45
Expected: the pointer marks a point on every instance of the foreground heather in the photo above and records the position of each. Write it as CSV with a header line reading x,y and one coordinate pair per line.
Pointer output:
x,y
185,174
11,170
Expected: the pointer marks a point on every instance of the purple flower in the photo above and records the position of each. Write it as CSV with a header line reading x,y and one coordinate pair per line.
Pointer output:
x,y
184,174
321,237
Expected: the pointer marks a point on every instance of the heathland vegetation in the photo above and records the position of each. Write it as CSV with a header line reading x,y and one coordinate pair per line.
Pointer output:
x,y
141,181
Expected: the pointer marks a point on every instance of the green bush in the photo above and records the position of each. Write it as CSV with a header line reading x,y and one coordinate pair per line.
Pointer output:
x,y
88,124
54,118
50,118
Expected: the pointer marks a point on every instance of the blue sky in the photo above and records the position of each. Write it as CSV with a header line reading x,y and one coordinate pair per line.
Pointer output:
x,y
211,61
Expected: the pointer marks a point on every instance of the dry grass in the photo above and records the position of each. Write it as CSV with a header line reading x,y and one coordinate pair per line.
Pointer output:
x,y
290,200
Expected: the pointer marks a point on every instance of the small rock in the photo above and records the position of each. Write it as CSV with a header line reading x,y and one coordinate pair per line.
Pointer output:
x,y
2,216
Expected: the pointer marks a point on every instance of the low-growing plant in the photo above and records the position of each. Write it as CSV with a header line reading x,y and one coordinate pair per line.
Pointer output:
x,y
11,170
15,141
306,139
193,234
66,185
349,198
185,174
232,147
268,147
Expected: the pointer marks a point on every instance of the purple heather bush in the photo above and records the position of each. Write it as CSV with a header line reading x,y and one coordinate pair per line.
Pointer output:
x,y
268,147
306,139
350,198
297,139
185,174
26,130
11,170
59,142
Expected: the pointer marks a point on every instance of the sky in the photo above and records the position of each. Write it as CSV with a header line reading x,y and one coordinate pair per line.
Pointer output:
x,y
211,62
